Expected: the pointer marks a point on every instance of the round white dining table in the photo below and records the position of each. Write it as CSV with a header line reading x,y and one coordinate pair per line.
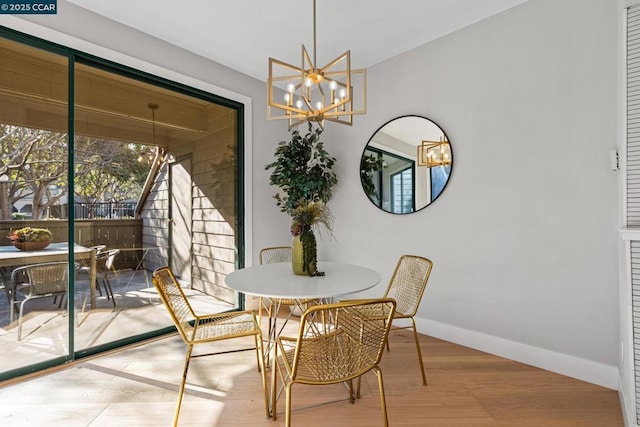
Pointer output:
x,y
277,280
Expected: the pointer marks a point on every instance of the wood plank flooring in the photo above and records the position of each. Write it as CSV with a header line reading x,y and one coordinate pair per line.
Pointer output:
x,y
138,387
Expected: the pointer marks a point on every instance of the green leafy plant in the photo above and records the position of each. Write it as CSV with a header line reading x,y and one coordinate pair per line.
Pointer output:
x,y
28,234
302,171
369,165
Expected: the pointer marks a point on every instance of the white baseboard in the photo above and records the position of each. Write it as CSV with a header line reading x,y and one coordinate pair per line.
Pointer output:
x,y
627,403
571,366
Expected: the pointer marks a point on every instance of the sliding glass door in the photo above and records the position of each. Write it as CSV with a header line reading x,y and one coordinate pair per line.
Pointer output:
x,y
34,168
125,173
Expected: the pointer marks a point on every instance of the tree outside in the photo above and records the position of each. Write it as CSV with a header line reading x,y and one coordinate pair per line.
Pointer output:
x,y
35,163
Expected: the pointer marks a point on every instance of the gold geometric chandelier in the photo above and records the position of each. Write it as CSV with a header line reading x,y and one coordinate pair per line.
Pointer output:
x,y
312,94
432,153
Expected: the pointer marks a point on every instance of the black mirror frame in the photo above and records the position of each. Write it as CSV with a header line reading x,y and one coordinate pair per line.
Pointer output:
x,y
375,149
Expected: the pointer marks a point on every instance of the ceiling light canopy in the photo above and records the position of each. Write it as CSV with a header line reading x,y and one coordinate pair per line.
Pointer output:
x,y
312,94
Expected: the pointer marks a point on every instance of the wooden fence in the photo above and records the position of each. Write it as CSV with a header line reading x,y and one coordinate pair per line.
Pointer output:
x,y
123,234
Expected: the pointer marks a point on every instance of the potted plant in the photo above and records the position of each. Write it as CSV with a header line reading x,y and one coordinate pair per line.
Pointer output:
x,y
305,218
369,165
303,172
31,239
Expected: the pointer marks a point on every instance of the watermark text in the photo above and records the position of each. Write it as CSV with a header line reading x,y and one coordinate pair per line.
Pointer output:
x,y
28,7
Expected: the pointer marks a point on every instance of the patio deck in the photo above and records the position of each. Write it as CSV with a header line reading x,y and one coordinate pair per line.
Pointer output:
x,y
138,310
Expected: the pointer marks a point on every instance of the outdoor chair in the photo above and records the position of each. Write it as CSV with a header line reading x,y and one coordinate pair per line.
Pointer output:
x,y
85,262
335,344
36,281
98,248
205,328
104,267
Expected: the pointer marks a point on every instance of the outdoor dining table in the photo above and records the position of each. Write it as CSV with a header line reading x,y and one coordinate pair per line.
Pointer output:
x,y
278,281
11,256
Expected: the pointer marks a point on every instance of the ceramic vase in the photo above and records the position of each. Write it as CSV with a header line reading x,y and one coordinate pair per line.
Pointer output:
x,y
303,253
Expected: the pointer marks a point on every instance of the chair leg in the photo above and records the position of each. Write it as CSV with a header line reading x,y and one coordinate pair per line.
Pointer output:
x,y
274,384
62,299
20,312
287,422
109,291
260,366
182,385
415,337
263,372
260,302
386,341
383,402
270,342
7,288
272,313
12,309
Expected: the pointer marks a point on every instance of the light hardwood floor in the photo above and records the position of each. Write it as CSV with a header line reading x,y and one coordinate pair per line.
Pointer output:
x,y
138,387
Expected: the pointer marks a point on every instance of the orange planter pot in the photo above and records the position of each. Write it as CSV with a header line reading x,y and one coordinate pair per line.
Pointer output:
x,y
31,246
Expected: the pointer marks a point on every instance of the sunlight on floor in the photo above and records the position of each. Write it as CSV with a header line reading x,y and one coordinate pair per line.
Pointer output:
x,y
45,327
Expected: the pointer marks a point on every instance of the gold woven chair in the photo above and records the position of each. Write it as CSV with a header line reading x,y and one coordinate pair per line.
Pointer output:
x,y
275,254
279,254
407,286
272,305
269,256
336,343
198,329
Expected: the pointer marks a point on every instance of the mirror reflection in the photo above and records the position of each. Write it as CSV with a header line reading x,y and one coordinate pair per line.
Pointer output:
x,y
406,164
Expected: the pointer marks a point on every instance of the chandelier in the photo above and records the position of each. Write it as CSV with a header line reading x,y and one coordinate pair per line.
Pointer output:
x,y
432,153
312,94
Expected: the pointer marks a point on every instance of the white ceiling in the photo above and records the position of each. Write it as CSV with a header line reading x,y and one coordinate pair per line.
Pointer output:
x,y
243,34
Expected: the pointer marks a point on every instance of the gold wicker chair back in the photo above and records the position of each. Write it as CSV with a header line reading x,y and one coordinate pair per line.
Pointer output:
x,y
275,254
408,283
336,343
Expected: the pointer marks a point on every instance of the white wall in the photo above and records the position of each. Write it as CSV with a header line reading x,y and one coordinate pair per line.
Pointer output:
x,y
524,238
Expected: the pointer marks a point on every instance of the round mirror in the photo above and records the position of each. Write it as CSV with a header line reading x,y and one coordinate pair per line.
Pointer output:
x,y
406,164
